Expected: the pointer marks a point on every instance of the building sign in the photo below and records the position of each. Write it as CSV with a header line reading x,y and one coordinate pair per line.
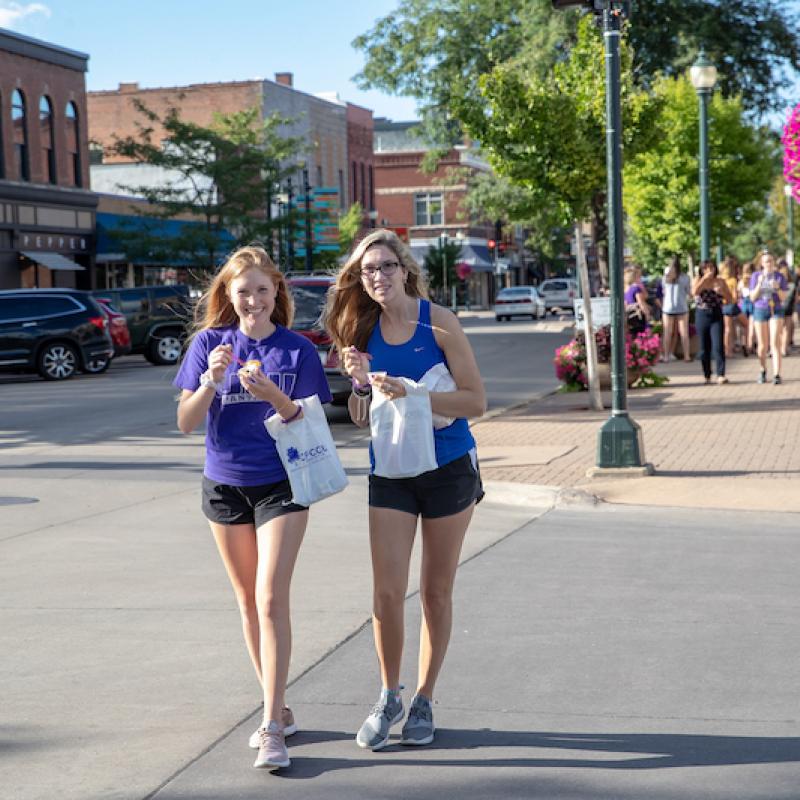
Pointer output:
x,y
324,206
53,242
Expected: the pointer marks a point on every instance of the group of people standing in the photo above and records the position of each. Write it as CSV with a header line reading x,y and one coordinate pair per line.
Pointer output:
x,y
747,309
385,330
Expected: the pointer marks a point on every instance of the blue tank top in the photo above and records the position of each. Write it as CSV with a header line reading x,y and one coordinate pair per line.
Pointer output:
x,y
412,360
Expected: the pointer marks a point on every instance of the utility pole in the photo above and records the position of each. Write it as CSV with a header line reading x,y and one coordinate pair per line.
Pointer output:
x,y
309,238
289,226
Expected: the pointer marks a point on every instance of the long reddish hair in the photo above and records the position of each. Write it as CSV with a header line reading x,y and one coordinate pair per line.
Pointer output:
x,y
215,309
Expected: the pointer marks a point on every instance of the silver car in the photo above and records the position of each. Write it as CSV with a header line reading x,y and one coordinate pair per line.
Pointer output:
x,y
519,301
559,293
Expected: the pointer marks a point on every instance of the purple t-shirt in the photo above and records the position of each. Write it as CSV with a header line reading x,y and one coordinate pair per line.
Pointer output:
x,y
772,282
631,292
239,451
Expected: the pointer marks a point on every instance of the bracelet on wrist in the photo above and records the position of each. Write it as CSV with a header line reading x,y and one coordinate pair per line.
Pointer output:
x,y
207,381
297,412
361,389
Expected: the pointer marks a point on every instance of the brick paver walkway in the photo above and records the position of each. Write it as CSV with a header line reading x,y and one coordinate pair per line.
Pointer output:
x,y
739,430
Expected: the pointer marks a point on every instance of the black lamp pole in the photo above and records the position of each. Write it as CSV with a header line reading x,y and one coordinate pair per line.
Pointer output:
x,y
619,441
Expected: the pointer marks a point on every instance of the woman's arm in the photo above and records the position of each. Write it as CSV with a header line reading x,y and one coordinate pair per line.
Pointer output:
x,y
355,364
469,399
641,301
193,407
725,291
700,283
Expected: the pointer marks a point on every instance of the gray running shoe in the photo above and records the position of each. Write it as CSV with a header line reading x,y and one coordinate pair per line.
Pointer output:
x,y
388,711
419,728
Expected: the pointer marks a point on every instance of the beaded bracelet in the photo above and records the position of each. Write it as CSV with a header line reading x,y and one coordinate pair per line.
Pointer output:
x,y
298,411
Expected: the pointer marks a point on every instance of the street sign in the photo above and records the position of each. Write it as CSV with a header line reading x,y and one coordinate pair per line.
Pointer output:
x,y
601,312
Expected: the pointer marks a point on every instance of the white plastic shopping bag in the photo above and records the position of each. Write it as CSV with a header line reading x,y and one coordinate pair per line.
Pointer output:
x,y
402,432
308,453
439,379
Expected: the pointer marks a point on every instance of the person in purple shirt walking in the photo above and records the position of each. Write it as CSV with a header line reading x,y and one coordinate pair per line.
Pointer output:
x,y
381,321
767,290
242,321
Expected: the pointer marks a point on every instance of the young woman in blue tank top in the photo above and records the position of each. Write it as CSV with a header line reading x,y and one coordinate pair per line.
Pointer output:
x,y
380,320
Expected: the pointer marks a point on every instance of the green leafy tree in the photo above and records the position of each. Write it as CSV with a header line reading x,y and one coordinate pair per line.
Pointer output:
x,y
435,51
547,135
768,228
440,261
755,44
662,196
221,174
350,223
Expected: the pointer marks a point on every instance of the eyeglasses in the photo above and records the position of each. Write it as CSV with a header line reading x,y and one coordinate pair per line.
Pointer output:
x,y
387,268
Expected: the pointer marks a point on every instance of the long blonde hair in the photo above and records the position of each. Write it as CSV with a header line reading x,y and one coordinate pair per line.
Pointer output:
x,y
215,309
350,313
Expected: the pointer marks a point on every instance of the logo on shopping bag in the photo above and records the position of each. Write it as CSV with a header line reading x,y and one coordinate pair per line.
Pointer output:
x,y
300,458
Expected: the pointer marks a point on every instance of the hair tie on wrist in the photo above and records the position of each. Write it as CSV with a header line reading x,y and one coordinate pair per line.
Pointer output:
x,y
298,410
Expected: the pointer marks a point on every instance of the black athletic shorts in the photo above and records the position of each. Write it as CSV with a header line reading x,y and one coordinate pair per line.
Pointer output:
x,y
242,505
439,493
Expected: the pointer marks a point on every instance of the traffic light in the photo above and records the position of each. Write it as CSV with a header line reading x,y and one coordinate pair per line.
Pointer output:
x,y
491,244
502,248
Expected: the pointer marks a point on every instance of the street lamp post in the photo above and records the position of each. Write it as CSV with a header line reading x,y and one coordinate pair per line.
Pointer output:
x,y
787,190
703,75
619,442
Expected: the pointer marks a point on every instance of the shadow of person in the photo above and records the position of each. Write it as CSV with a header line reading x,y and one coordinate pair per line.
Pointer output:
x,y
611,751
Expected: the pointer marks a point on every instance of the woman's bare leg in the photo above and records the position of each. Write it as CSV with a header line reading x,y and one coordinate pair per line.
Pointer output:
x,y
239,551
441,548
279,542
391,536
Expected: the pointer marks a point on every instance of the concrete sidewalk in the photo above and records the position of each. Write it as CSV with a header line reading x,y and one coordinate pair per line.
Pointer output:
x,y
594,656
733,446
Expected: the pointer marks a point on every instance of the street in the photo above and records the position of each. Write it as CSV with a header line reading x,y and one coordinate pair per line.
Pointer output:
x,y
134,397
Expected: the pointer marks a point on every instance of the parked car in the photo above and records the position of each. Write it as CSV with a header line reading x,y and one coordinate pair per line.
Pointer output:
x,y
309,292
559,293
157,317
519,301
53,331
117,327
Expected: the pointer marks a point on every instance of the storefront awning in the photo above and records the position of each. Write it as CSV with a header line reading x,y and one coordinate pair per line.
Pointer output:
x,y
477,256
53,261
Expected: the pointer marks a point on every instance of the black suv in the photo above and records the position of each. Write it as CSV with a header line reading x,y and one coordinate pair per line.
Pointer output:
x,y
53,331
157,318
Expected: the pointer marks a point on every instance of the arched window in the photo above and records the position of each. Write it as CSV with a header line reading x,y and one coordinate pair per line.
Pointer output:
x,y
46,139
20,128
73,145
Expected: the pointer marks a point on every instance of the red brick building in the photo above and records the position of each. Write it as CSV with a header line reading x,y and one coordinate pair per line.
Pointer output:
x,y
47,213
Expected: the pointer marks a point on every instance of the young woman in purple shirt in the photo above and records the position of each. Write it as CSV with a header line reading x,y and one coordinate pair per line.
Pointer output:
x,y
767,291
242,322
381,321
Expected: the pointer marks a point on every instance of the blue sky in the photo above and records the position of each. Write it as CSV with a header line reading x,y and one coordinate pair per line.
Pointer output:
x,y
176,42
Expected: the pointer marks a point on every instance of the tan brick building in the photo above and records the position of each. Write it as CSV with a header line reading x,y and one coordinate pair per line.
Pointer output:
x,y
47,213
323,123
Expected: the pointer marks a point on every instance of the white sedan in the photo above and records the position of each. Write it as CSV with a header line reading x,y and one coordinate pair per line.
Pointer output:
x,y
519,301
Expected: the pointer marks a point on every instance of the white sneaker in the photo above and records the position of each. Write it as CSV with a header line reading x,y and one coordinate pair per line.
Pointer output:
x,y
272,752
289,727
